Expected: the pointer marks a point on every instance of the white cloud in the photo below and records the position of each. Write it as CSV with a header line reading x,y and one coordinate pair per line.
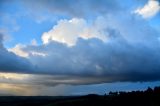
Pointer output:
x,y
68,31
18,50
38,54
149,10
131,52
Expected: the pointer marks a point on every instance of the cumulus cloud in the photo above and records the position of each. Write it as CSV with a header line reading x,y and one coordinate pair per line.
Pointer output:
x,y
99,62
91,42
128,55
111,47
149,10
68,31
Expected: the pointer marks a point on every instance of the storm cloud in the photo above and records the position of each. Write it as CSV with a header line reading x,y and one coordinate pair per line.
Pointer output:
x,y
130,55
113,45
117,61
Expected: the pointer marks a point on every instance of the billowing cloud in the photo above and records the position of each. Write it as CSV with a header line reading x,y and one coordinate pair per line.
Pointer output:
x,y
109,46
68,31
98,61
149,10
127,55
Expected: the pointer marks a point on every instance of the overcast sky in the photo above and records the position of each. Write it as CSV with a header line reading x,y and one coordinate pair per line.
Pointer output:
x,y
74,47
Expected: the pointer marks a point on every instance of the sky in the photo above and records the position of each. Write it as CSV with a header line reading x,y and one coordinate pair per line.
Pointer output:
x,y
78,47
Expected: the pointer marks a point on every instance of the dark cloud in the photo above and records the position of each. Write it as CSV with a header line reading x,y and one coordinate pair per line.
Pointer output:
x,y
131,52
116,60
9,62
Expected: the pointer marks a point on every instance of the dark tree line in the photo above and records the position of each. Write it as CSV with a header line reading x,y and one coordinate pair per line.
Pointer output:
x,y
149,91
